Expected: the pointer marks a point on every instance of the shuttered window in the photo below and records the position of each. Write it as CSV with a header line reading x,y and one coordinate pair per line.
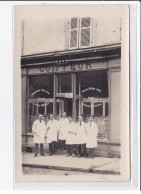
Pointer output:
x,y
85,32
80,33
73,33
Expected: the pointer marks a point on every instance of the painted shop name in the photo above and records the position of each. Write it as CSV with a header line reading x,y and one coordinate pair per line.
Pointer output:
x,y
62,68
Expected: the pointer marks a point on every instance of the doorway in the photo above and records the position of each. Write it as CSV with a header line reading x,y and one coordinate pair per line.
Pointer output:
x,y
68,106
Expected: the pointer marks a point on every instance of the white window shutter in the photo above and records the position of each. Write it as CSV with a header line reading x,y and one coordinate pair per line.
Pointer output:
x,y
85,32
73,35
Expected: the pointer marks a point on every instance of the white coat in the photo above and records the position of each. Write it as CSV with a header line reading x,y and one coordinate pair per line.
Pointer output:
x,y
52,131
91,138
81,133
39,130
62,128
71,133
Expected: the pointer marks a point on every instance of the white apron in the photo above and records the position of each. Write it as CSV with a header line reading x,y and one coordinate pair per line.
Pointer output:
x,y
39,130
81,133
91,138
62,128
52,131
71,133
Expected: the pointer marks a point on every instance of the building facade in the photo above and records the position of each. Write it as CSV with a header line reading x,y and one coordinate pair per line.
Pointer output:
x,y
73,65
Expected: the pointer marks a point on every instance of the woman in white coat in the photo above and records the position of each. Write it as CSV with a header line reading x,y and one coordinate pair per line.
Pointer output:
x,y
71,137
81,137
52,133
63,122
39,130
91,138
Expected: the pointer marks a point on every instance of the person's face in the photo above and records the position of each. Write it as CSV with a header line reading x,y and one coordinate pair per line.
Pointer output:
x,y
80,119
70,119
51,117
91,119
64,115
40,117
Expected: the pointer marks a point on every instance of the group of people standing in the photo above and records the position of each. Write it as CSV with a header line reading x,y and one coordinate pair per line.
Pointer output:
x,y
75,137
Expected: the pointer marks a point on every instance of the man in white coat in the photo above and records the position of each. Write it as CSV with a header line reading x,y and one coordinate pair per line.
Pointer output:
x,y
38,130
81,137
71,137
51,133
91,138
63,122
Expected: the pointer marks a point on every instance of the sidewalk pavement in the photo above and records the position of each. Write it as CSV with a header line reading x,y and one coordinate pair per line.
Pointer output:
x,y
59,161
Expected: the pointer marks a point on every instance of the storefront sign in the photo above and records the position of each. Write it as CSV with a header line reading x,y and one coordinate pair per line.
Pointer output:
x,y
72,67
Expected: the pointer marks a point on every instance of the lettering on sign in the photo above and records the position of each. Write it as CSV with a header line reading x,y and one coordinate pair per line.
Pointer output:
x,y
66,67
41,90
91,105
91,88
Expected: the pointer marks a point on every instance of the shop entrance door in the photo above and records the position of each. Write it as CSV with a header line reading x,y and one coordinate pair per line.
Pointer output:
x,y
68,106
65,105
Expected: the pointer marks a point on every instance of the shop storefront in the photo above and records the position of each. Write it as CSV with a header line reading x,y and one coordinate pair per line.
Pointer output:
x,y
80,83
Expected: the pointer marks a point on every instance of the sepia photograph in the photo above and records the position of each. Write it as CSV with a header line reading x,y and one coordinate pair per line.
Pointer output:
x,y
71,93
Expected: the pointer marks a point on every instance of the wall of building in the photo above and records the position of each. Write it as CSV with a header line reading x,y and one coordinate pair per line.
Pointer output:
x,y
42,36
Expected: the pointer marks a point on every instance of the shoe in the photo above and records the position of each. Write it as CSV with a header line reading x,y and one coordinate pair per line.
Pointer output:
x,y
92,157
50,154
68,155
35,155
89,156
85,156
73,155
42,154
78,156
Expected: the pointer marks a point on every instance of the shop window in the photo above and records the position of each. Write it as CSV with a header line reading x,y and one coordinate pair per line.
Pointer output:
x,y
64,83
98,109
93,84
41,86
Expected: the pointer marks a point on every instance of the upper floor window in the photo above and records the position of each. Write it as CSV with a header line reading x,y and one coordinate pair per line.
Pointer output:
x,y
80,32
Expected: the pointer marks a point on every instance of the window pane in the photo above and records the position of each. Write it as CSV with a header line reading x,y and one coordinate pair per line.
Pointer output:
x,y
98,109
94,84
74,23
49,108
85,22
41,107
106,109
86,110
41,86
64,83
85,37
73,38
32,115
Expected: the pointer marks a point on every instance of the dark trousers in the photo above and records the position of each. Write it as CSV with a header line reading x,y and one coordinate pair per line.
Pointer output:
x,y
52,147
41,148
71,149
80,148
61,144
91,152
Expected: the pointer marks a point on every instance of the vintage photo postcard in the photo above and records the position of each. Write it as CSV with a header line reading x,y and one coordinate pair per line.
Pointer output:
x,y
71,91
